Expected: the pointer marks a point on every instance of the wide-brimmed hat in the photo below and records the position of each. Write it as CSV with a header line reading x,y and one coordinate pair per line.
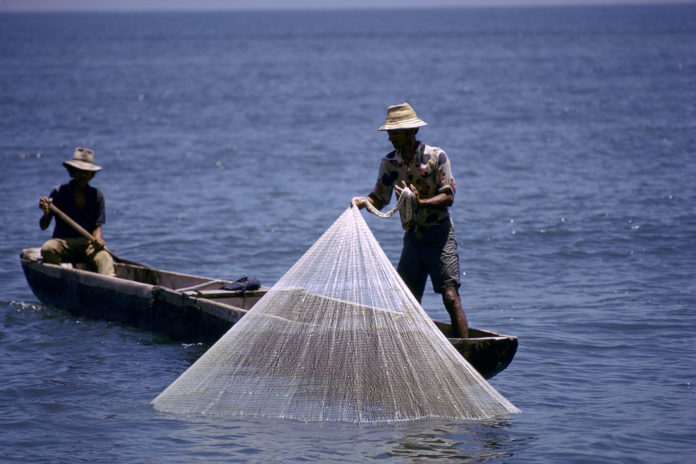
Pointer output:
x,y
401,117
83,159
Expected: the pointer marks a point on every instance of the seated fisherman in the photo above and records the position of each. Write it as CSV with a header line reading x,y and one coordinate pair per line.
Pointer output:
x,y
85,205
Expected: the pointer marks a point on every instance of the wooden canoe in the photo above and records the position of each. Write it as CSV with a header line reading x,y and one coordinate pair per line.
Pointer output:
x,y
192,309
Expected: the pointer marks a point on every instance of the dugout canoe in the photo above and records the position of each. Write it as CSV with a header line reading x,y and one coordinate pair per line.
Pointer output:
x,y
193,309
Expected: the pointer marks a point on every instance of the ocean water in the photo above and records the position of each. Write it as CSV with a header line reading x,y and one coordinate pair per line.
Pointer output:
x,y
231,141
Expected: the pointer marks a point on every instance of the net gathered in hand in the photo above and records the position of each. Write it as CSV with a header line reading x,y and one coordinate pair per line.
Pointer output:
x,y
338,338
406,205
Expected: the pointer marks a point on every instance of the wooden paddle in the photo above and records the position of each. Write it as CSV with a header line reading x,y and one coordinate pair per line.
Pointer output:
x,y
81,230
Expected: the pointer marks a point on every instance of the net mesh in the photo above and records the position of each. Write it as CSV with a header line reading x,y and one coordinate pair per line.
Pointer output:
x,y
338,338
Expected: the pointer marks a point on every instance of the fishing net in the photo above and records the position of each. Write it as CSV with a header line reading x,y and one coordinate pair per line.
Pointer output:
x,y
338,338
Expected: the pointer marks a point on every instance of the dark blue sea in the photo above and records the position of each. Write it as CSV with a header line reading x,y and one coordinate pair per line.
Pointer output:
x,y
231,141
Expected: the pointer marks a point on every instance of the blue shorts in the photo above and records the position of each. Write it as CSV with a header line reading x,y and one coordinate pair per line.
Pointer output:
x,y
430,251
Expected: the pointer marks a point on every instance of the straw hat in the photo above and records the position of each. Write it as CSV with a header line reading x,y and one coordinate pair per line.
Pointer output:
x,y
83,159
401,117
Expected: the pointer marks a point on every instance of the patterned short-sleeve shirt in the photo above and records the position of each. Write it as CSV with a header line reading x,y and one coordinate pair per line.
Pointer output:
x,y
429,171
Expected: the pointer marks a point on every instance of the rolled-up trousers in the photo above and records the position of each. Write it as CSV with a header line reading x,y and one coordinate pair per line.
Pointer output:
x,y
71,250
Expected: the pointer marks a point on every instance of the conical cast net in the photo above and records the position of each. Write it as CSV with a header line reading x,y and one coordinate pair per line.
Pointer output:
x,y
338,338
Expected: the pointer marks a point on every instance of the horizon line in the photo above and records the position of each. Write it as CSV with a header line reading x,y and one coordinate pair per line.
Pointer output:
x,y
197,8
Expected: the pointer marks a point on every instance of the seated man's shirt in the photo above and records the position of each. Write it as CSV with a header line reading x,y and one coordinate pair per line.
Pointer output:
x,y
89,218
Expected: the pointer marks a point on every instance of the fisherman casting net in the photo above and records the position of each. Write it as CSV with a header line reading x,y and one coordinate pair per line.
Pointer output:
x,y
338,338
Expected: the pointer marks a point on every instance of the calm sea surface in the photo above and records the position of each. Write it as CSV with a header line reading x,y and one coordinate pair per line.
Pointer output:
x,y
231,141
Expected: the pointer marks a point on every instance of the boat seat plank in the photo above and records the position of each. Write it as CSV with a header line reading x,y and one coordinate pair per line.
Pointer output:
x,y
202,284
216,293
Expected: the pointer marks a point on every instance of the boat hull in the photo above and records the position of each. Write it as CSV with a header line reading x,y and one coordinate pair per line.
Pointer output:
x,y
489,352
194,309
146,303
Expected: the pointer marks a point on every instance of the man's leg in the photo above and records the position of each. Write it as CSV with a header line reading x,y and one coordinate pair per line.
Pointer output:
x,y
443,266
102,261
411,267
53,250
453,304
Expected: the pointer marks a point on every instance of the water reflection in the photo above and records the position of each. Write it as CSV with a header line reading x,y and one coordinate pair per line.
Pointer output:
x,y
266,440
466,442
